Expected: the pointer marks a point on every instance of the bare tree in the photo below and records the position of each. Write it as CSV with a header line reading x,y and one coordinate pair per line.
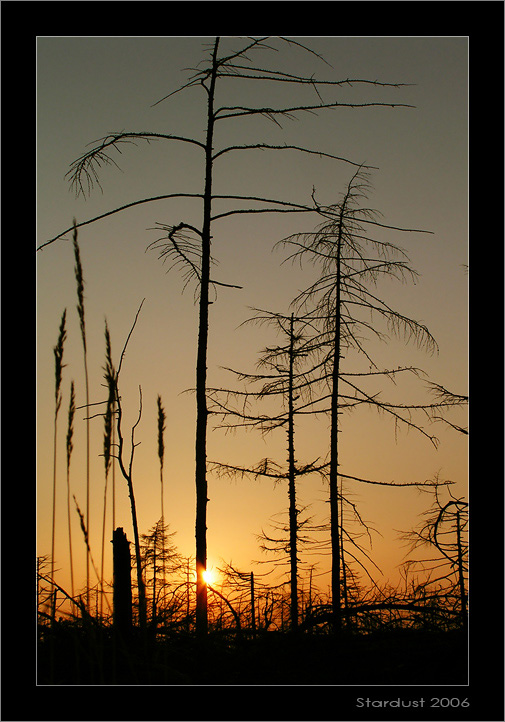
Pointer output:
x,y
283,378
114,401
189,245
343,303
445,529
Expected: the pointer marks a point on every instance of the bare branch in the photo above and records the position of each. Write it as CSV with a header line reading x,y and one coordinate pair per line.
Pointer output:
x,y
234,71
427,483
118,210
128,339
237,111
86,166
266,146
133,445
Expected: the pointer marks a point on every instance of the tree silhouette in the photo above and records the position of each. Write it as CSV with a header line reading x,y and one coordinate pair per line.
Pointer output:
x,y
189,245
284,379
114,401
444,529
158,553
343,303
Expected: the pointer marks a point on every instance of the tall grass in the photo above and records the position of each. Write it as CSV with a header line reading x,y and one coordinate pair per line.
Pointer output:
x,y
113,464
161,453
70,432
80,310
90,556
58,372
109,375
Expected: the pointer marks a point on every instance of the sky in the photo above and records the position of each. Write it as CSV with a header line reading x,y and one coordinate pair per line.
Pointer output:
x,y
88,87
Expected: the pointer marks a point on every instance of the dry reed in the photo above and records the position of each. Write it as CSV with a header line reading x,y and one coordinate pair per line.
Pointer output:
x,y
58,358
86,540
80,310
110,379
161,452
70,432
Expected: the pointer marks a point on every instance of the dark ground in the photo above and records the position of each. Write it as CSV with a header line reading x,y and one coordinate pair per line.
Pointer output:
x,y
400,657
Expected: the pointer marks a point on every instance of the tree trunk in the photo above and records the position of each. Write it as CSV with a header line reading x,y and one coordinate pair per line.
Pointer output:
x,y
138,560
460,572
201,371
293,521
122,596
153,615
342,558
334,505
253,613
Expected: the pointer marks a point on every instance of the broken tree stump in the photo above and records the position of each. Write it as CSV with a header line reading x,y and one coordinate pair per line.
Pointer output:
x,y
122,597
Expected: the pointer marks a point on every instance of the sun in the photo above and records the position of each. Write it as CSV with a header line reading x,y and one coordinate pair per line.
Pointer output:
x,y
209,576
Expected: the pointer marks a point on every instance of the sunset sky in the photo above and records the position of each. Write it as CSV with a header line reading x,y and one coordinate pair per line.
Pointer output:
x,y
88,87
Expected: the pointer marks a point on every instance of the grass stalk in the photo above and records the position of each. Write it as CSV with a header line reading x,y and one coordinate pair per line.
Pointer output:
x,y
109,375
90,556
70,432
113,464
58,359
80,309
161,453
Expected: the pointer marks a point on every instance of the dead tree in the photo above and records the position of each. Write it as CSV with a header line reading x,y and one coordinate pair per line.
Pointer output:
x,y
344,305
112,378
284,379
444,528
245,590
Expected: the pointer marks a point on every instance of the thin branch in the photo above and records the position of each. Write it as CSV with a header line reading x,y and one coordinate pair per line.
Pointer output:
x,y
397,483
118,210
283,77
128,339
87,165
270,112
133,445
266,146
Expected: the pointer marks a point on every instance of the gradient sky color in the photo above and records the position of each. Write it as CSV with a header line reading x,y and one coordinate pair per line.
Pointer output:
x,y
88,87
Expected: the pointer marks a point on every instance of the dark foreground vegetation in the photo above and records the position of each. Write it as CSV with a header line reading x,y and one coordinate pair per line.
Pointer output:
x,y
70,655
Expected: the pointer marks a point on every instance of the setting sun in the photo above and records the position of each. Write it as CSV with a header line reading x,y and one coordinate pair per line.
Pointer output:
x,y
209,576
